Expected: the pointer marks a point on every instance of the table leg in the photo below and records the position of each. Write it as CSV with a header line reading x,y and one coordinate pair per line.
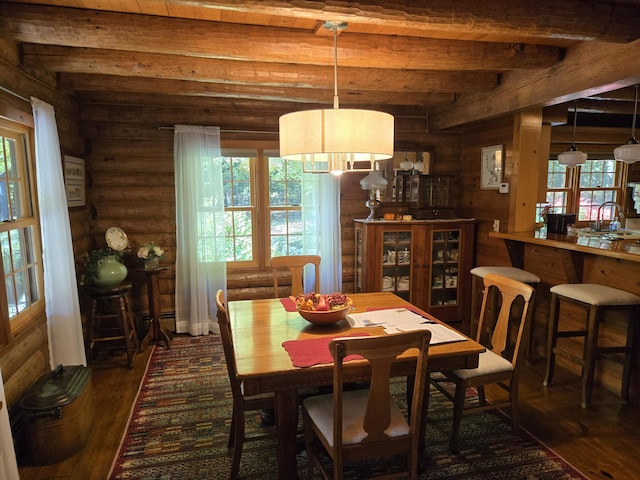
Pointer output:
x,y
286,410
156,334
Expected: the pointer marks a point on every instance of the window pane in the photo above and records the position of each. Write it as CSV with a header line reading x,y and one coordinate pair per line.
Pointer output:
x,y
277,193
239,236
11,297
278,222
16,249
294,222
6,252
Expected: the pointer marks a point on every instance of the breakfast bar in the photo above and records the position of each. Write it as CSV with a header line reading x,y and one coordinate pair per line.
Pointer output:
x,y
598,258
572,249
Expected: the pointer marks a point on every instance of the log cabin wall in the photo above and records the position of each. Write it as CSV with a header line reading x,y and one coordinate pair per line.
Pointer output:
x,y
26,357
130,168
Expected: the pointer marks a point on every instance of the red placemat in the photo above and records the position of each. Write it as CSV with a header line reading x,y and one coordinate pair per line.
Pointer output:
x,y
289,304
411,308
315,351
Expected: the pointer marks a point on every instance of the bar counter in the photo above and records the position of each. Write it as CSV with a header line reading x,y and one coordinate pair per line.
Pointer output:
x,y
573,249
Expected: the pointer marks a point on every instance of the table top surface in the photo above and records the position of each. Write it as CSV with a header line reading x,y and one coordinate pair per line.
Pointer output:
x,y
594,245
261,326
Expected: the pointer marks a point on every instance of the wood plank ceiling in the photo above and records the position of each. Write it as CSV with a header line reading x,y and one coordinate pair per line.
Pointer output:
x,y
443,63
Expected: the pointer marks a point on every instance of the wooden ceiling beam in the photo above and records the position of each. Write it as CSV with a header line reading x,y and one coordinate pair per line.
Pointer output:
x,y
106,89
199,39
113,62
588,69
155,100
569,19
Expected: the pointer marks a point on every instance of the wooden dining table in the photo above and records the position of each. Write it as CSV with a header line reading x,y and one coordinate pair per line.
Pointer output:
x,y
261,326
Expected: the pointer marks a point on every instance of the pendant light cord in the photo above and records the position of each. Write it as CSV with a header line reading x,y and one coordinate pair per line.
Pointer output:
x,y
575,120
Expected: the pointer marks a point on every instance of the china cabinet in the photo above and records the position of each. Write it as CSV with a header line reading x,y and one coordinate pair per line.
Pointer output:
x,y
426,262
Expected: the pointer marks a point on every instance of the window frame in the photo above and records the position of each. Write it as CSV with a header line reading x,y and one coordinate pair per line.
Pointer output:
x,y
10,327
261,224
573,190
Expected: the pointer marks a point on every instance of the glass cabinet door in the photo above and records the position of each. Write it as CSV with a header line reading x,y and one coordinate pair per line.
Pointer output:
x,y
444,267
396,263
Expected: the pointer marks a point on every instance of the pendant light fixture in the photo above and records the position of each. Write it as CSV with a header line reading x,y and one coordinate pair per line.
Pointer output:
x,y
630,151
336,140
573,156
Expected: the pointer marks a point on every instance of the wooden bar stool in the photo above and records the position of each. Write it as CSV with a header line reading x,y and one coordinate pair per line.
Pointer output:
x,y
477,288
597,300
111,321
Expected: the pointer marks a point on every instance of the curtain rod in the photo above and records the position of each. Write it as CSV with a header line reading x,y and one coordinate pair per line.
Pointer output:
x,y
227,131
17,95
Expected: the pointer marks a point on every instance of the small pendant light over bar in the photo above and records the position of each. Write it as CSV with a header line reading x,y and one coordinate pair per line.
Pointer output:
x,y
573,156
630,151
336,140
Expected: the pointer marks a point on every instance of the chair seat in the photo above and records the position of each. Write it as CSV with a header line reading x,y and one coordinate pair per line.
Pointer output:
x,y
509,272
488,363
594,294
320,409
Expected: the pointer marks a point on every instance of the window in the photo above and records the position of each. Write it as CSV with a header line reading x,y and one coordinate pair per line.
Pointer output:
x,y
285,202
240,209
263,196
583,189
19,228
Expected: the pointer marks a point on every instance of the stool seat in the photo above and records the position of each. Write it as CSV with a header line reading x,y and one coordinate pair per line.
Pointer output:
x,y
509,272
596,300
595,294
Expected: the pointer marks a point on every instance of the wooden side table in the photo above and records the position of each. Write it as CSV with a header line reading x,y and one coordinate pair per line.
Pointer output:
x,y
156,332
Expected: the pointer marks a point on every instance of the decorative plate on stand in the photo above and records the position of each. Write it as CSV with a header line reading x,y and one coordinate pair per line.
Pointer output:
x,y
116,239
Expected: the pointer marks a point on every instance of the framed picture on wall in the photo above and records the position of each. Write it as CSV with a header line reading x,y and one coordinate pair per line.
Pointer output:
x,y
74,181
491,168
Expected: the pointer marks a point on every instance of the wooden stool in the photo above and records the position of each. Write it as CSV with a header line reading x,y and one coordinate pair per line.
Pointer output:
x,y
477,287
597,300
114,304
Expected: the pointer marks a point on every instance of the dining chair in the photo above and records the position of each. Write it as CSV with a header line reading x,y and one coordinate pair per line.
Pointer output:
x,y
241,402
361,424
500,363
295,264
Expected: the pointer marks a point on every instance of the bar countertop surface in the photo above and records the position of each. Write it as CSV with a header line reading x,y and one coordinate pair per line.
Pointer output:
x,y
595,244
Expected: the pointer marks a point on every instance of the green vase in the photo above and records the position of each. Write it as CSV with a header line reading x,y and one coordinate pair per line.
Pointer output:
x,y
110,272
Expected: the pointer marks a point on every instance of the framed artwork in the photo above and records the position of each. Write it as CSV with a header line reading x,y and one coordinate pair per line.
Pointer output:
x,y
491,168
74,181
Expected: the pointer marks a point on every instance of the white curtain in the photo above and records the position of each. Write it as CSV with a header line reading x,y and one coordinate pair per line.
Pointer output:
x,y
66,344
322,233
8,464
201,268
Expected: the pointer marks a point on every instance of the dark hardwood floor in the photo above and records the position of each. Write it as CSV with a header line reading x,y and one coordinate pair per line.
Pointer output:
x,y
601,441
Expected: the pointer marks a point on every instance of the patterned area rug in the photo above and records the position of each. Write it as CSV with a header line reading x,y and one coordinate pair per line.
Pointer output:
x,y
180,421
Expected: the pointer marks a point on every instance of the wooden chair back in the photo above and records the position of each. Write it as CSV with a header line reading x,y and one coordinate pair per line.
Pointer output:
x,y
381,352
295,264
227,344
501,341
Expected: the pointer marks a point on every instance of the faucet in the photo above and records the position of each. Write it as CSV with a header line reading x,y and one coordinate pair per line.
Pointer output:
x,y
599,221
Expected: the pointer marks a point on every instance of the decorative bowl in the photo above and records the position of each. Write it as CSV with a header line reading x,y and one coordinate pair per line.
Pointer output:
x,y
328,317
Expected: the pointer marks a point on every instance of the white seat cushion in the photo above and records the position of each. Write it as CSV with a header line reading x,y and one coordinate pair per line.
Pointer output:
x,y
509,272
594,294
488,363
320,409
